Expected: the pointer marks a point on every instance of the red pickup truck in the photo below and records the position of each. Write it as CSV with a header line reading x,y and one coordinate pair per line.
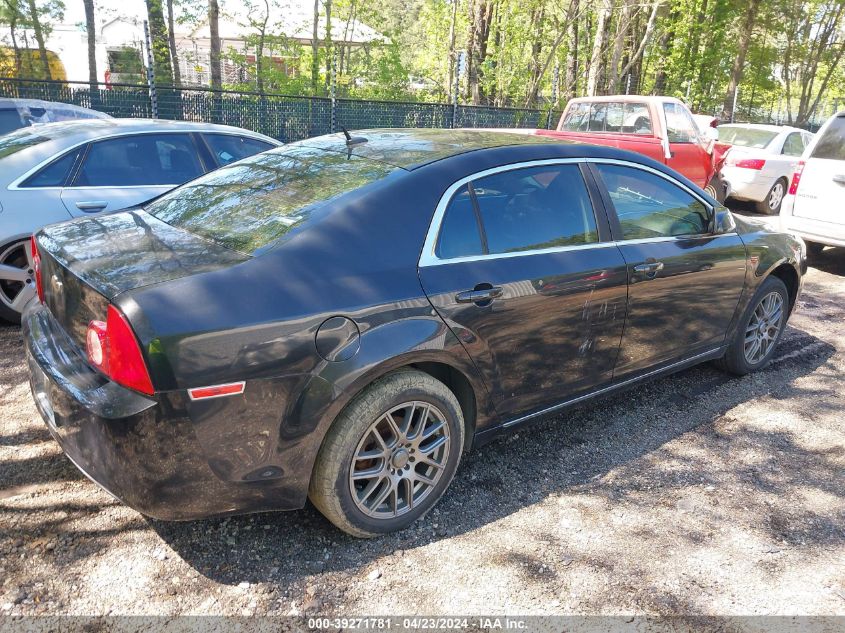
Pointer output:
x,y
659,127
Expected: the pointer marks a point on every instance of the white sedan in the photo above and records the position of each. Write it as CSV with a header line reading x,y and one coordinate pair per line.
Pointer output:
x,y
760,162
813,207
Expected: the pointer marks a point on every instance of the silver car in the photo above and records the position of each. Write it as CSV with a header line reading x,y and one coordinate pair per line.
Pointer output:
x,y
57,171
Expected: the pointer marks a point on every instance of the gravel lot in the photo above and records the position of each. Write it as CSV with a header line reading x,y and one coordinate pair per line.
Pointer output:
x,y
695,494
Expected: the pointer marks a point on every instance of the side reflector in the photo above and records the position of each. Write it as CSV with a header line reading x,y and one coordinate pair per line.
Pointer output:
x,y
216,391
36,265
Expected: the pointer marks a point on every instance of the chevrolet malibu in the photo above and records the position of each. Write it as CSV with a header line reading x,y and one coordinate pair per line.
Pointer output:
x,y
340,319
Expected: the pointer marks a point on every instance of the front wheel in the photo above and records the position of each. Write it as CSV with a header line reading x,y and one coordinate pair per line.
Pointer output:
x,y
17,279
759,331
773,201
389,456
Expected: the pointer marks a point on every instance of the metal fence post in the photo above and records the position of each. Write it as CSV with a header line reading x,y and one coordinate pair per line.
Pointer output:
x,y
150,72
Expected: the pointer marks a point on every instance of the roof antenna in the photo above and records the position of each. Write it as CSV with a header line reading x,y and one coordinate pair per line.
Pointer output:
x,y
351,141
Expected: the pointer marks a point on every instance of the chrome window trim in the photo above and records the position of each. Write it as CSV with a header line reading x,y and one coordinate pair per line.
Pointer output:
x,y
15,184
428,256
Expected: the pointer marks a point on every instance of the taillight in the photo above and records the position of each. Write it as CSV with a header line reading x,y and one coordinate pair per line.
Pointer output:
x,y
36,266
113,349
750,163
796,178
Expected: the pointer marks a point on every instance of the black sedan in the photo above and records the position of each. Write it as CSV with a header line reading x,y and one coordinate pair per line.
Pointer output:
x,y
340,319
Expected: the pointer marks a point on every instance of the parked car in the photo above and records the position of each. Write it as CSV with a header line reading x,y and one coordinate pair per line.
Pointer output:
x,y
58,171
661,128
341,320
18,113
761,161
813,205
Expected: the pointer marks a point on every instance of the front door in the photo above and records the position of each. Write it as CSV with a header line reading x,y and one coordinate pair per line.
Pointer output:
x,y
123,171
517,264
684,281
686,149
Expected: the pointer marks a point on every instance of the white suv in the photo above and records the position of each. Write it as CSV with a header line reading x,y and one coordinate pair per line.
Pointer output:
x,y
813,207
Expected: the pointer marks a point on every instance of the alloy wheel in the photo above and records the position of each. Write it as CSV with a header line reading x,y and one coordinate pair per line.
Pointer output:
x,y
776,196
399,460
763,328
17,275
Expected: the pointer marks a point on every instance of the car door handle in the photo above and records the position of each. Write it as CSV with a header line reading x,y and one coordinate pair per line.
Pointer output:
x,y
650,269
839,179
92,205
479,295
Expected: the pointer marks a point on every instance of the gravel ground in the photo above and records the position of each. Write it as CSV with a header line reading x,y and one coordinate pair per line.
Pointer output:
x,y
694,494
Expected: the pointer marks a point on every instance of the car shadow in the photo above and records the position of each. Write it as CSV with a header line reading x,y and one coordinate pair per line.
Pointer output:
x,y
831,260
565,454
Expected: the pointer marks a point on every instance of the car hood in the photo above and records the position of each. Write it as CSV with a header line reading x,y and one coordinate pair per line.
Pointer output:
x,y
117,252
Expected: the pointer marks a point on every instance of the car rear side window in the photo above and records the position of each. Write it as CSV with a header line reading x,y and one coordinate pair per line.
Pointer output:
x,y
55,174
608,116
525,209
649,206
832,144
228,148
145,159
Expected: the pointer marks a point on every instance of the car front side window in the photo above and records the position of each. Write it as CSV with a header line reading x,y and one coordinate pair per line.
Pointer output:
x,y
679,127
793,145
650,206
523,209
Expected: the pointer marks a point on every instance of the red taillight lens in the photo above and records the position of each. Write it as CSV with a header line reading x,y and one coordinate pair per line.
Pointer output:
x,y
796,178
751,163
113,349
36,265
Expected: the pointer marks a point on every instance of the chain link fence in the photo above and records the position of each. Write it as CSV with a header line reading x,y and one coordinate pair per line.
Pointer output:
x,y
287,118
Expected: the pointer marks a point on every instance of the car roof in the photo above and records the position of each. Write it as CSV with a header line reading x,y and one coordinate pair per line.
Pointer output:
x,y
14,103
96,128
764,126
411,148
626,99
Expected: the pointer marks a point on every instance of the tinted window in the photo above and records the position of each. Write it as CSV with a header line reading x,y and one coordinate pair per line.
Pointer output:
x,y
832,144
149,159
55,174
650,206
535,208
227,148
9,120
793,145
249,204
679,127
459,234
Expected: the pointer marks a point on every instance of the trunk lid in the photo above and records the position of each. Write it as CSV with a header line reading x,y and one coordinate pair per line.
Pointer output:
x,y
87,262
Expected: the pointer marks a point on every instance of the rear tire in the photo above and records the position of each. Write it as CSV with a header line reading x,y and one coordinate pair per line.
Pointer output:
x,y
389,455
759,330
771,204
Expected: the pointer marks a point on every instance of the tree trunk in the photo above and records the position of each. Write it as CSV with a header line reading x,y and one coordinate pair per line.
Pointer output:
x,y
649,29
328,42
598,44
259,51
39,38
13,24
161,49
622,27
745,33
171,40
315,47
214,52
481,13
452,58
572,53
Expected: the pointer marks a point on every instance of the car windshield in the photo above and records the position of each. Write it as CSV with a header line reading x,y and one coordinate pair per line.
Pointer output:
x,y
19,140
745,136
253,203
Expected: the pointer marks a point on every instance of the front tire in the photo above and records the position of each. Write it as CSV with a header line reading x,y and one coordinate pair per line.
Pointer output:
x,y
772,202
17,279
759,331
389,456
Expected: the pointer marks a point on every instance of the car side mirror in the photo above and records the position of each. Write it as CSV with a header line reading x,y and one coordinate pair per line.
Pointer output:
x,y
724,222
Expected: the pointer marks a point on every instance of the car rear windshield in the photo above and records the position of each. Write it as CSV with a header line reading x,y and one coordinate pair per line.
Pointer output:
x,y
745,136
608,116
832,143
255,202
18,140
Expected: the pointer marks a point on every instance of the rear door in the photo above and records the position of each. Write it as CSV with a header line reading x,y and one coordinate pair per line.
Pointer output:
x,y
822,187
523,270
124,171
684,281
687,154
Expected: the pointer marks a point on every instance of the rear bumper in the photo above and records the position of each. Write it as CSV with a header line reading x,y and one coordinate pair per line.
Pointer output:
x,y
143,451
814,231
747,184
